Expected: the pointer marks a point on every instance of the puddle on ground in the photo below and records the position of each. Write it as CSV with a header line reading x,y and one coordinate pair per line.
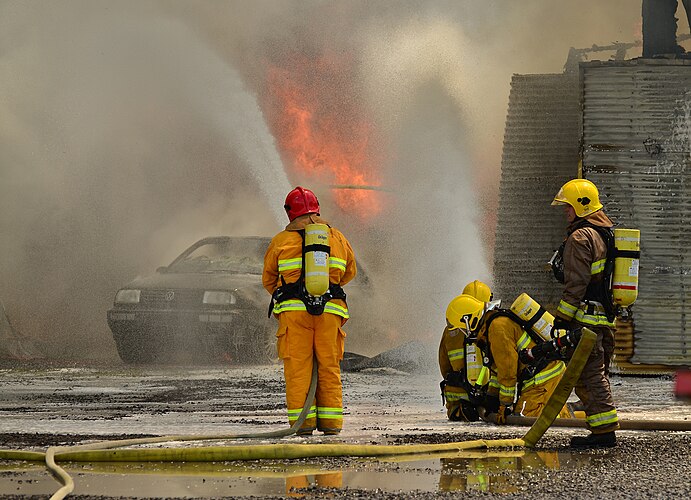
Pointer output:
x,y
487,471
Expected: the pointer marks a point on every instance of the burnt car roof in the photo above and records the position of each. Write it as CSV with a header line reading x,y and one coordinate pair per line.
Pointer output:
x,y
261,240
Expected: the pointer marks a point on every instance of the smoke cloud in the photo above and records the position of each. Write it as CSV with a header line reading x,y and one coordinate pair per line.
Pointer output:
x,y
130,129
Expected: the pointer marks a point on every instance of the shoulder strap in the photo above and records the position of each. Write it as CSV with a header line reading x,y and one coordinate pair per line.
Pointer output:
x,y
605,293
525,325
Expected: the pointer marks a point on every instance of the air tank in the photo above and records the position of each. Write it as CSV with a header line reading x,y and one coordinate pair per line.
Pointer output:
x,y
317,259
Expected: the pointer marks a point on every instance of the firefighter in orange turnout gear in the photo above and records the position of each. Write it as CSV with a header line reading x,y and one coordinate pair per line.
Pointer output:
x,y
511,385
452,357
303,335
505,338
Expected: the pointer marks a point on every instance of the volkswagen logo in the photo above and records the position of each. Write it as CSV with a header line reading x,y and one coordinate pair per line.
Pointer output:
x,y
170,295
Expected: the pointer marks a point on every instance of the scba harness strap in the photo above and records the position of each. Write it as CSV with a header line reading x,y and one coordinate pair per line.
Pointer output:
x,y
532,369
601,291
313,304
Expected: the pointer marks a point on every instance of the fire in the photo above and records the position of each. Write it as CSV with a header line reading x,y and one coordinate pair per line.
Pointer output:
x,y
321,130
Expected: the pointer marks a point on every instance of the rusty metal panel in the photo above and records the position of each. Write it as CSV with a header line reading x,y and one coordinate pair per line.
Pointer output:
x,y
636,148
540,153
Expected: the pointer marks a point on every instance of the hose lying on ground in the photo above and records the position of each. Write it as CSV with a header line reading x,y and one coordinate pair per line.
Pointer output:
x,y
624,424
290,451
68,484
563,389
103,451
98,452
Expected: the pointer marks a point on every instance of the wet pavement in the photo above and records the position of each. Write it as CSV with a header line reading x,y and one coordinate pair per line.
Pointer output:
x,y
47,406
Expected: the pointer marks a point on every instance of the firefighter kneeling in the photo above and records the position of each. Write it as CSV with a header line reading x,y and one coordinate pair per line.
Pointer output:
x,y
479,359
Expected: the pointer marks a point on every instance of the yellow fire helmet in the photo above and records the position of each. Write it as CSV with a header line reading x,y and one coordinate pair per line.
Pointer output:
x,y
479,290
581,194
464,312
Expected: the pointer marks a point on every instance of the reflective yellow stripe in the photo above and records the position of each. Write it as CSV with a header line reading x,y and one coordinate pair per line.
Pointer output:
x,y
599,419
566,309
598,266
523,341
286,264
290,264
298,305
545,375
294,414
324,412
456,395
336,309
508,392
493,382
337,263
592,319
598,318
455,354
289,305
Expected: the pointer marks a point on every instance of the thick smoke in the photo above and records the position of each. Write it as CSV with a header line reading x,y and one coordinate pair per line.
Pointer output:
x,y
130,129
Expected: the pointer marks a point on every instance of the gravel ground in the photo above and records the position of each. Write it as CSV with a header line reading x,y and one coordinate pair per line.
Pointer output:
x,y
53,405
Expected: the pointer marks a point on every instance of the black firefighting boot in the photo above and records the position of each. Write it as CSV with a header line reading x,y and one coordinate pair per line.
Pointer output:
x,y
604,440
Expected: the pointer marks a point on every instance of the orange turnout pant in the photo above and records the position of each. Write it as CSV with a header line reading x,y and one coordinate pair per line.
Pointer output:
x,y
301,337
534,399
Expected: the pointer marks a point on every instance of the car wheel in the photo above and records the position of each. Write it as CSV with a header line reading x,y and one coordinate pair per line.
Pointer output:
x,y
256,344
269,350
137,351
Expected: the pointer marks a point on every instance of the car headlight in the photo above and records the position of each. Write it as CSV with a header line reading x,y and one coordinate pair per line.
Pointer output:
x,y
127,296
218,298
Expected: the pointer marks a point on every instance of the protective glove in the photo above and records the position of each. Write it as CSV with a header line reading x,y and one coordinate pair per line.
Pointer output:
x,y
465,412
491,404
504,411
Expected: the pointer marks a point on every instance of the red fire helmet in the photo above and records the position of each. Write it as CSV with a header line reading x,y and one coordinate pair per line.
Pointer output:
x,y
301,201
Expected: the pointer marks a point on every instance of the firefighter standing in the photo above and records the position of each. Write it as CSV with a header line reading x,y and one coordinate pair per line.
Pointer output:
x,y
452,355
302,335
586,301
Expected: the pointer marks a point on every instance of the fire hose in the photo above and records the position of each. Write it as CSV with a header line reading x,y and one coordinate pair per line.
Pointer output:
x,y
624,424
106,452
554,349
78,450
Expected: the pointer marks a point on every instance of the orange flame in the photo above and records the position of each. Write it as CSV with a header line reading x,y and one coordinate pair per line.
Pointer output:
x,y
321,131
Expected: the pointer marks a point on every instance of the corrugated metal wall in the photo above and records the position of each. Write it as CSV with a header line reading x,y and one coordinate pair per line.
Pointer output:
x,y
636,149
541,152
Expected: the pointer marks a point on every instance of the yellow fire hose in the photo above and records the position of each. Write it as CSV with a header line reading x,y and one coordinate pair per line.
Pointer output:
x,y
67,482
96,452
563,390
105,452
624,424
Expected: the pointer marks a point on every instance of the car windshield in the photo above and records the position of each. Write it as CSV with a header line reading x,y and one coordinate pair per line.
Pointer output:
x,y
242,255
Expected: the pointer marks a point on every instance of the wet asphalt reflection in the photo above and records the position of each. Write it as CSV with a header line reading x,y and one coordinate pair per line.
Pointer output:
x,y
480,471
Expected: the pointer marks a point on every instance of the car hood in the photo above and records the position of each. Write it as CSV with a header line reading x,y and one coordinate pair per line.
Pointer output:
x,y
216,281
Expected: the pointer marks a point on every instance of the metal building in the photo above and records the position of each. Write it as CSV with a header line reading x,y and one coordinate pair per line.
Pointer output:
x,y
629,122
636,143
541,152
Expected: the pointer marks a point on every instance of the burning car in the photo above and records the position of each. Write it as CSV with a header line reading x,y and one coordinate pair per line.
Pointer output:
x,y
208,305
